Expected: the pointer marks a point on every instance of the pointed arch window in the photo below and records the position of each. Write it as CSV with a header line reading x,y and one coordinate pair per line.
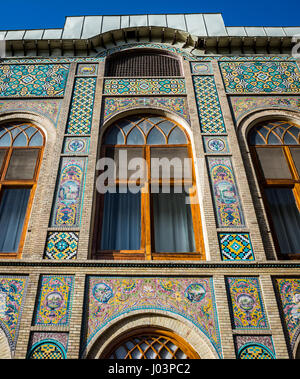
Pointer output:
x,y
157,219
275,150
21,147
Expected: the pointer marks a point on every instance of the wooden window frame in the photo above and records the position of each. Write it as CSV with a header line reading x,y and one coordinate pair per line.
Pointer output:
x,y
153,332
24,183
293,183
146,252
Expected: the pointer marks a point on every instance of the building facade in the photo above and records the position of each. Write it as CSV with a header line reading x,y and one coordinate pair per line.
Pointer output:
x,y
211,271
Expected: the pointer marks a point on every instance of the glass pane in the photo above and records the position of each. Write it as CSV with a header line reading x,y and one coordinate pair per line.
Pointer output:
x,y
114,137
36,140
130,165
273,139
5,140
285,217
2,155
121,227
170,163
177,137
13,206
135,137
172,220
166,126
20,140
22,164
295,151
273,163
155,137
145,125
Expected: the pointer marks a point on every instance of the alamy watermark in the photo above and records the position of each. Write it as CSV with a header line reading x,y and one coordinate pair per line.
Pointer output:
x,y
164,175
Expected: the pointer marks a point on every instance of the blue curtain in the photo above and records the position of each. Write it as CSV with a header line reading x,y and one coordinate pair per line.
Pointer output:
x,y
173,225
286,218
121,224
13,208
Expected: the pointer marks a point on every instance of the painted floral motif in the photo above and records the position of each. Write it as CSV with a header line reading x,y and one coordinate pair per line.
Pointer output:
x,y
54,300
225,193
69,192
192,298
12,297
247,306
289,290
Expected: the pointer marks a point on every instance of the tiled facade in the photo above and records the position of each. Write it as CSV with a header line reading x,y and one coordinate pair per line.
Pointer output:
x,y
241,302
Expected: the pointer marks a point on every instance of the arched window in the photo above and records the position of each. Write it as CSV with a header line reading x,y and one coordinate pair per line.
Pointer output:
x,y
150,344
150,210
21,146
142,62
275,151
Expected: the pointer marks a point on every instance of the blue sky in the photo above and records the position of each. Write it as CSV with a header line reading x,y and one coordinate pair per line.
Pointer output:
x,y
37,14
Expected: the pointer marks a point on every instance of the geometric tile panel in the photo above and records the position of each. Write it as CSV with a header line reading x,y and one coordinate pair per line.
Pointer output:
x,y
289,292
236,246
111,298
215,144
261,77
247,309
114,105
12,297
45,345
81,112
55,300
209,109
144,86
61,245
226,198
33,80
254,347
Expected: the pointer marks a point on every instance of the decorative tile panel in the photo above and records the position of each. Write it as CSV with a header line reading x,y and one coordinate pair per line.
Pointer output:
x,y
34,80
241,106
209,109
260,77
61,245
55,300
115,105
289,291
45,345
76,145
192,298
236,246
84,69
215,144
254,347
144,86
49,108
69,192
81,112
12,297
225,193
247,307
201,68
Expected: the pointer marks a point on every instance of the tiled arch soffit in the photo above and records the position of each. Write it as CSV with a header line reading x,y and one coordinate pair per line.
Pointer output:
x,y
192,335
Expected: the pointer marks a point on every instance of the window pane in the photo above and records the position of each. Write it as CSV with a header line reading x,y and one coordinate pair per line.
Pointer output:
x,y
13,208
130,154
173,225
173,163
2,155
22,164
121,225
295,151
155,137
286,218
273,163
